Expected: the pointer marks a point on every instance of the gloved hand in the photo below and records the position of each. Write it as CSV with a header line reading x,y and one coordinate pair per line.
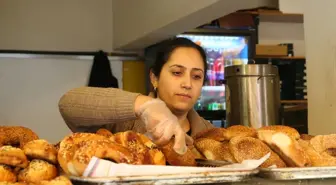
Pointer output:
x,y
162,125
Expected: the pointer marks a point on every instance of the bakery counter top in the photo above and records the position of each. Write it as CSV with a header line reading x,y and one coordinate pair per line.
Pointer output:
x,y
261,181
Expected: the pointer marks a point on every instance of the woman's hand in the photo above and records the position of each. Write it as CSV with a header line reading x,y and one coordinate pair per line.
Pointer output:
x,y
161,124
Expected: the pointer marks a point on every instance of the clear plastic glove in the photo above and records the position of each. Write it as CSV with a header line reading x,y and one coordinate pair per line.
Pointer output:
x,y
162,125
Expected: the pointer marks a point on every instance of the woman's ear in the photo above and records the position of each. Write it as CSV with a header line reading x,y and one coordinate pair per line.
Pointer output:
x,y
153,79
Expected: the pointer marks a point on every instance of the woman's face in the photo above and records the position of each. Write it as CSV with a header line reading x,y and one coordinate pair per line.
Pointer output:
x,y
181,79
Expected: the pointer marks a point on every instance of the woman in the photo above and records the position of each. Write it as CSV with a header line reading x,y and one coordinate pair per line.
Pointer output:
x,y
177,78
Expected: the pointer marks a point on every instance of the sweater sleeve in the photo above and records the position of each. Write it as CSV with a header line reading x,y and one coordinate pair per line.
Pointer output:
x,y
208,124
86,107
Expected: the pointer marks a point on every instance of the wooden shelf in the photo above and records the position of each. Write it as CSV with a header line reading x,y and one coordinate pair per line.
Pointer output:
x,y
277,16
299,107
282,57
294,101
294,105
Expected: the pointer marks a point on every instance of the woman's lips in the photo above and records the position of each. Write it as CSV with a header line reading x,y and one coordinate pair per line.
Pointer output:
x,y
184,96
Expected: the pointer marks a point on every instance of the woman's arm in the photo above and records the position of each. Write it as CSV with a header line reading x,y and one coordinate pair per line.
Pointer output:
x,y
86,107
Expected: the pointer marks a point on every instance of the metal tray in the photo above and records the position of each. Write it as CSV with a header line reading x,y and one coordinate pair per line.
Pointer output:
x,y
211,163
298,173
193,178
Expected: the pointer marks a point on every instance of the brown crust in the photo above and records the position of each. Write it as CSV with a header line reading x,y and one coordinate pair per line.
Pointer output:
x,y
139,144
316,158
292,132
37,171
103,149
16,135
239,131
214,150
104,132
286,147
322,150
212,133
15,183
175,159
321,143
7,174
245,148
146,141
70,144
222,134
13,157
41,149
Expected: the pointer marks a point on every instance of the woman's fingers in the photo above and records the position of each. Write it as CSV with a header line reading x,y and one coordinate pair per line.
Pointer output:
x,y
180,146
166,129
189,140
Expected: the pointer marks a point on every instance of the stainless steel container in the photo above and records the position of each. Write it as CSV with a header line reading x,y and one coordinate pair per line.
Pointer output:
x,y
252,95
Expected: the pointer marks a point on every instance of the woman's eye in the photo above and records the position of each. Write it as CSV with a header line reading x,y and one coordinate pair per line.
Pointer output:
x,y
177,73
197,77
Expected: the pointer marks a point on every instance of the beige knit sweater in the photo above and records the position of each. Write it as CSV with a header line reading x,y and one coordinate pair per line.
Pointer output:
x,y
86,109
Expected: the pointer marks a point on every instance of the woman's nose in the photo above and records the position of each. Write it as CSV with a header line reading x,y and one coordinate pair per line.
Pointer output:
x,y
186,83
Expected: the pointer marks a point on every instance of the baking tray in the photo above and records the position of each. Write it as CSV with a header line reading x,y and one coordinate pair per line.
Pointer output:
x,y
298,173
193,178
211,163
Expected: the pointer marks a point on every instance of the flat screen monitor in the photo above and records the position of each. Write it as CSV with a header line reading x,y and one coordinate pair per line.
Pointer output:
x,y
222,49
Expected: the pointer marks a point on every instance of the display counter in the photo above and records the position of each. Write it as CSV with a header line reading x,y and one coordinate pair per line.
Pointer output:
x,y
262,181
253,181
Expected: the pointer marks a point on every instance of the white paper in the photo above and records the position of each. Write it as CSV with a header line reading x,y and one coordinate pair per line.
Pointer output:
x,y
103,168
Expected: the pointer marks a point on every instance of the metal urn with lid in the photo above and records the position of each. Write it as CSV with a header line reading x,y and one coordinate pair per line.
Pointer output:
x,y
252,95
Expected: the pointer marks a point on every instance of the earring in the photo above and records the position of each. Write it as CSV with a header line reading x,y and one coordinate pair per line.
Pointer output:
x,y
155,88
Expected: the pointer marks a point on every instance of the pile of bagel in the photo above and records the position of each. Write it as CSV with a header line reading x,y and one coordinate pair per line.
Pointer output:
x,y
234,144
287,147
27,159
76,150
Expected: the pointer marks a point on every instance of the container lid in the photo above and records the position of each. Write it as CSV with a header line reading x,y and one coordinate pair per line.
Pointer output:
x,y
251,70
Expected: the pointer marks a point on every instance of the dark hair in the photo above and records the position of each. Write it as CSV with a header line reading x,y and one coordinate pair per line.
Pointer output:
x,y
167,47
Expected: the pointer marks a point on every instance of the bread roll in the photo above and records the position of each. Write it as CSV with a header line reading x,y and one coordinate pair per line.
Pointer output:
x,y
175,159
103,149
316,159
37,171
222,134
324,147
239,130
41,149
16,136
214,150
140,145
321,143
292,132
104,132
213,133
286,147
12,156
70,144
7,174
245,148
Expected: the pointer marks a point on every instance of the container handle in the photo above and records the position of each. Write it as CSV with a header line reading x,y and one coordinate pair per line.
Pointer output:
x,y
251,61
